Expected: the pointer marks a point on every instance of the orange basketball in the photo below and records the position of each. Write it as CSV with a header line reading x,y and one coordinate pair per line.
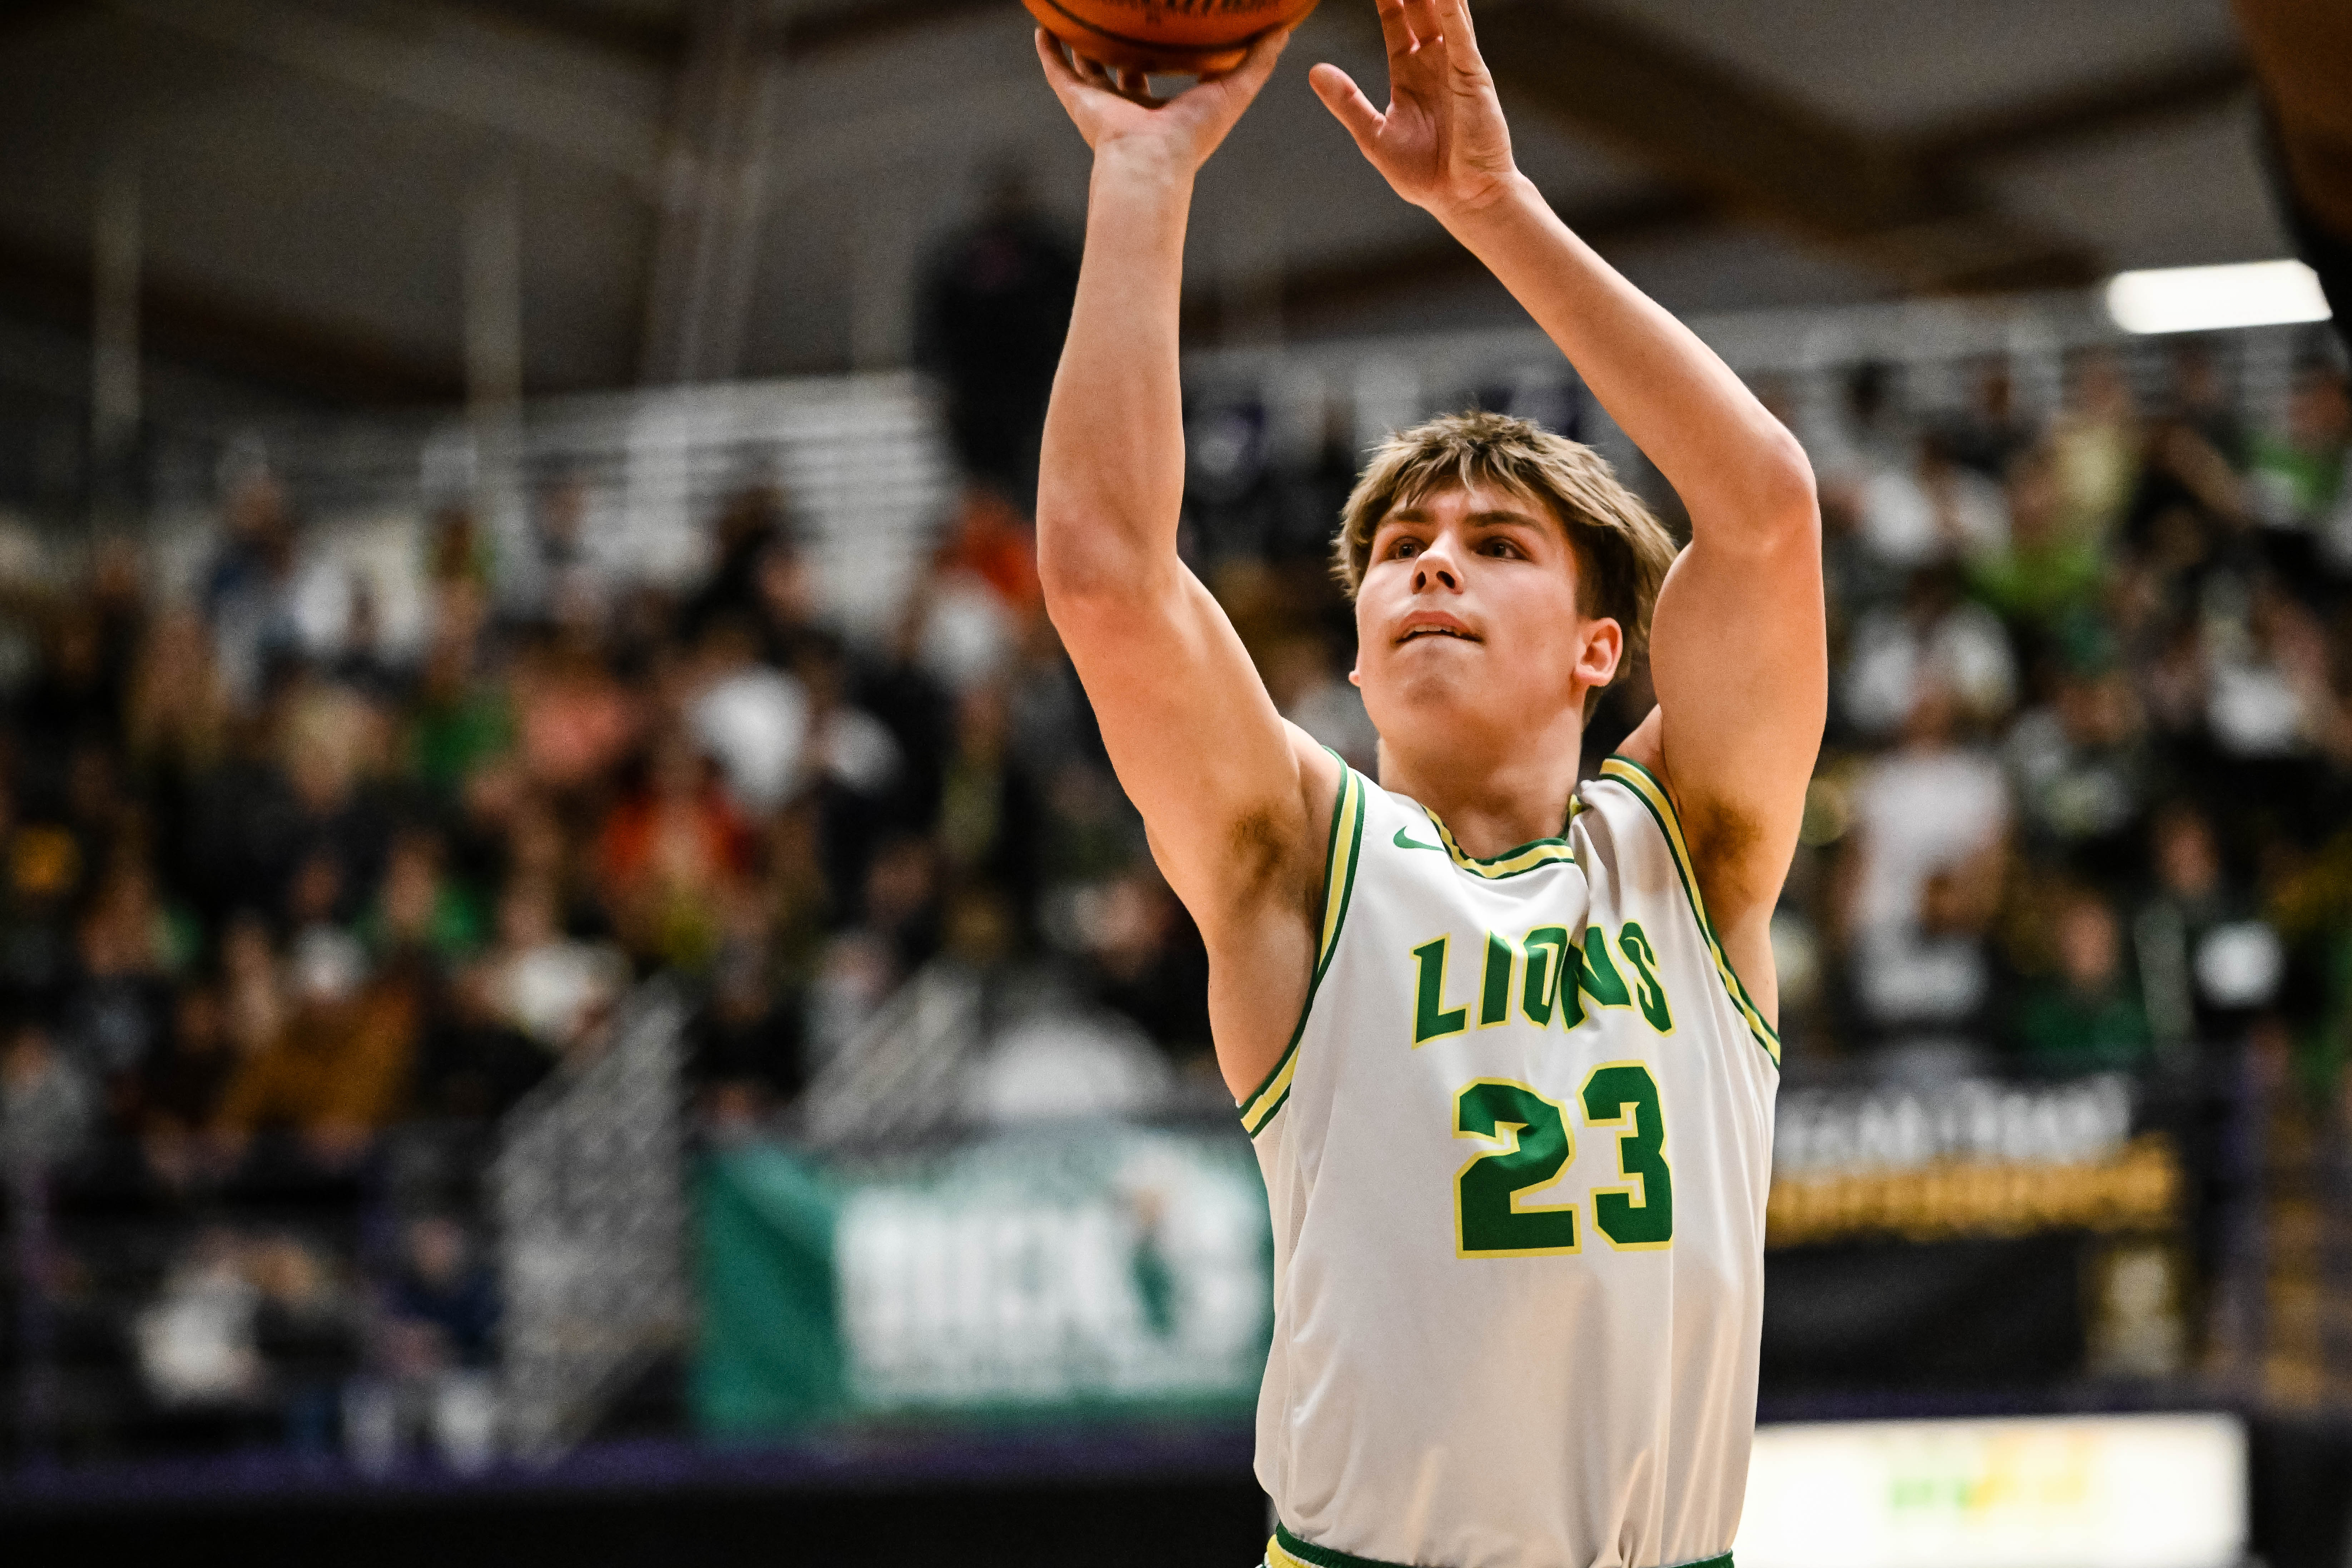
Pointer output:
x,y
1174,38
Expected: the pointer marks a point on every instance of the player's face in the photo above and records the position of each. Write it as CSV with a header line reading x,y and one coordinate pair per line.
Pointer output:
x,y
1467,630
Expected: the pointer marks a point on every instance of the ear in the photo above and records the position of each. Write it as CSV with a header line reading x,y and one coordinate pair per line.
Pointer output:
x,y
1605,646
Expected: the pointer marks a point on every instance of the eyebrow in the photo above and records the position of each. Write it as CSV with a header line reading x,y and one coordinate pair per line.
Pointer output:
x,y
1491,519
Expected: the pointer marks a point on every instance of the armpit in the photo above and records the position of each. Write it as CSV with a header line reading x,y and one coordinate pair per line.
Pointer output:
x,y
1726,847
1260,855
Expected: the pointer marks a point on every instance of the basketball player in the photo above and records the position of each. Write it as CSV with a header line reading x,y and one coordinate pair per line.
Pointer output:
x,y
1504,1041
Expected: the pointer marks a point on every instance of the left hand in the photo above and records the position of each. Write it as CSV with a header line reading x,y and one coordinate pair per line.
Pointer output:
x,y
1443,145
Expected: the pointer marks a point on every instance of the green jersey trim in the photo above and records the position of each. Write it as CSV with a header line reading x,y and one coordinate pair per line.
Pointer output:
x,y
1287,1550
1530,856
1339,886
1645,787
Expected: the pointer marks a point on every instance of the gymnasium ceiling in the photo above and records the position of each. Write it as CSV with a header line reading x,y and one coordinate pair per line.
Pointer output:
x,y
704,188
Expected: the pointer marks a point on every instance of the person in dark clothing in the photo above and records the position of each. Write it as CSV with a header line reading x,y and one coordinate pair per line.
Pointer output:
x,y
994,307
442,1308
752,525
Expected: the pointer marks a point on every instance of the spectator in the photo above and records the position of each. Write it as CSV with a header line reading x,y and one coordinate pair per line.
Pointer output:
x,y
1929,509
1300,677
2298,473
1989,433
305,1334
751,717
993,308
2081,768
441,1311
673,855
751,527
181,1086
2205,959
1934,636
46,1106
2084,1017
2095,447
1150,963
118,1009
1931,828
2051,566
457,724
195,1339
333,1071
248,596
545,985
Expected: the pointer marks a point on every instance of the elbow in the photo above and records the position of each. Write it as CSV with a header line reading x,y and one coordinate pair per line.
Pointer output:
x,y
1769,512
1789,498
1782,509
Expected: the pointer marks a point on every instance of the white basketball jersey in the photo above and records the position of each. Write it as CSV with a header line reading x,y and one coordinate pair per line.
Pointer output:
x,y
1517,1157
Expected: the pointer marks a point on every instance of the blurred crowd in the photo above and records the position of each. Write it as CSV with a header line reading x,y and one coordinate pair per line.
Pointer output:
x,y
267,895
2083,801
274,899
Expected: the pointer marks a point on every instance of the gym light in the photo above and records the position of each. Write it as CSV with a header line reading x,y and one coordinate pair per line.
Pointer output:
x,y
2202,299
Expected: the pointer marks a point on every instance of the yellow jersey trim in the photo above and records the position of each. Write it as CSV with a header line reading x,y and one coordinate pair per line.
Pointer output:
x,y
1341,852
1651,793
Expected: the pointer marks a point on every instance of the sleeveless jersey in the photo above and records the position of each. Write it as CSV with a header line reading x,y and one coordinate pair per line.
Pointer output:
x,y
1516,1158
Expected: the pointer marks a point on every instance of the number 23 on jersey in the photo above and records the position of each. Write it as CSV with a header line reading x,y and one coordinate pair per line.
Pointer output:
x,y
1490,1220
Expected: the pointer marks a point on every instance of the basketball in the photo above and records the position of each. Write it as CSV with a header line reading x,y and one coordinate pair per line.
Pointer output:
x,y
1187,37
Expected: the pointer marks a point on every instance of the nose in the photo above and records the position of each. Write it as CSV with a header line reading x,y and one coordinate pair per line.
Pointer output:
x,y
1434,569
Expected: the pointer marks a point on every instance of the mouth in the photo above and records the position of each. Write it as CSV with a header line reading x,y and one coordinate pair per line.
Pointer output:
x,y
1413,633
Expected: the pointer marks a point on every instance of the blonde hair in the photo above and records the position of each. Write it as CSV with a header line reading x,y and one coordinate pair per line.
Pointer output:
x,y
1622,551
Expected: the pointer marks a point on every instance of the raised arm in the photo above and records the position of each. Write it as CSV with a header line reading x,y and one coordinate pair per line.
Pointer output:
x,y
1738,645
1235,800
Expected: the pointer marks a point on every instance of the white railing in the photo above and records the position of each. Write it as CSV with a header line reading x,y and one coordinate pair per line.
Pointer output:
x,y
588,1190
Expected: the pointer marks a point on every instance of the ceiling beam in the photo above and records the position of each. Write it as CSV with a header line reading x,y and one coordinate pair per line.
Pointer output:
x,y
1365,281
1709,129
2129,101
1930,166
448,64
191,324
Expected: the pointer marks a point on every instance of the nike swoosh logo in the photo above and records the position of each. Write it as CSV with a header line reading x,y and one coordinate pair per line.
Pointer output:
x,y
1404,843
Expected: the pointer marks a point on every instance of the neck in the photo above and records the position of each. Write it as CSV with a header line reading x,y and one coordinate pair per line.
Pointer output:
x,y
1493,803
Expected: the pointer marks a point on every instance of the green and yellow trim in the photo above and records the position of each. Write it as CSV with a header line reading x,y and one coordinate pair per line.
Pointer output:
x,y
1284,1550
1652,794
1531,857
1338,885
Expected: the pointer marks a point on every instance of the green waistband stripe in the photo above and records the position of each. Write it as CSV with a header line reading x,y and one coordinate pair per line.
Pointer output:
x,y
1646,789
1287,1550
1341,851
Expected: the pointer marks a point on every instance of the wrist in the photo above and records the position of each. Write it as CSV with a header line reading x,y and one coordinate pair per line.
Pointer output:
x,y
1143,163
1508,199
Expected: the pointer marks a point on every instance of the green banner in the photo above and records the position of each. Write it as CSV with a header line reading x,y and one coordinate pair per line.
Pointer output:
x,y
1103,1268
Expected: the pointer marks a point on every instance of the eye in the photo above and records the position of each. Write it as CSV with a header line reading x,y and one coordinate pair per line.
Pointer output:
x,y
1403,546
1505,550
